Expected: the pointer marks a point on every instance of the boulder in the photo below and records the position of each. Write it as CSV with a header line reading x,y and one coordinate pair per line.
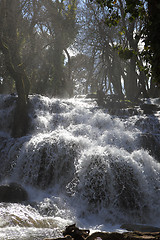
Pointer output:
x,y
123,236
13,193
140,235
68,237
140,228
119,236
149,108
150,142
74,233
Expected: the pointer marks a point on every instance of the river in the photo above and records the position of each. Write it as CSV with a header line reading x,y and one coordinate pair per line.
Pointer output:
x,y
78,164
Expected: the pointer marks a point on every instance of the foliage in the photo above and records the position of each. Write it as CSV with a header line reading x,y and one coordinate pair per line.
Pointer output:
x,y
44,30
33,36
114,50
115,45
125,53
140,10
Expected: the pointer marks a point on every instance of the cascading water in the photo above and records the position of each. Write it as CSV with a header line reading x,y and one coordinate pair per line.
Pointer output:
x,y
78,164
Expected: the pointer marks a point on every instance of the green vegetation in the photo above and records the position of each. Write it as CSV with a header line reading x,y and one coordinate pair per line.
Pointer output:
x,y
116,44
145,11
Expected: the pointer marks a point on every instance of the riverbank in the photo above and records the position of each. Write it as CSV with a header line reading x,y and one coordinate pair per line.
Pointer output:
x,y
74,233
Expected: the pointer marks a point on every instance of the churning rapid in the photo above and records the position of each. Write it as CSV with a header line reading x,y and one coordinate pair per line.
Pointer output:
x,y
79,165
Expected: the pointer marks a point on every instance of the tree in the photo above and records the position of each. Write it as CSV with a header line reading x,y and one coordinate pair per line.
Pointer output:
x,y
60,22
101,41
153,37
33,37
80,74
148,12
6,83
11,39
117,35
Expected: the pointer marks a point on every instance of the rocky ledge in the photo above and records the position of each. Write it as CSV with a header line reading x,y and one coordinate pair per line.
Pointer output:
x,y
73,233
13,193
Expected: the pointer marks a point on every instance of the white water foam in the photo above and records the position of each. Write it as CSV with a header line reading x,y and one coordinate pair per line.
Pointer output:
x,y
83,165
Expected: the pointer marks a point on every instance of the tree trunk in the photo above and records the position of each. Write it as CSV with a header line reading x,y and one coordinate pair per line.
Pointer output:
x,y
132,86
58,77
9,45
20,122
69,82
154,37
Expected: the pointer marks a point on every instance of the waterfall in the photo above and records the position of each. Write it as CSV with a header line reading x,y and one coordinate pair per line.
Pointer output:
x,y
82,164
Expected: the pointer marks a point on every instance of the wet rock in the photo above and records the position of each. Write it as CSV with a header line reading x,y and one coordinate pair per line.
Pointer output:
x,y
123,111
68,237
57,168
120,236
13,193
9,100
149,108
140,235
132,111
75,233
150,142
123,236
140,228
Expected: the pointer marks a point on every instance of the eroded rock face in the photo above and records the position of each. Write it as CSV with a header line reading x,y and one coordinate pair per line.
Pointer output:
x,y
73,233
76,233
124,236
121,236
13,193
150,142
140,228
149,108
